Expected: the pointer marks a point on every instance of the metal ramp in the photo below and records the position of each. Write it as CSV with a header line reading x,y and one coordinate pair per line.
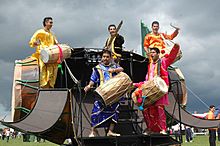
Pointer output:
x,y
181,115
50,117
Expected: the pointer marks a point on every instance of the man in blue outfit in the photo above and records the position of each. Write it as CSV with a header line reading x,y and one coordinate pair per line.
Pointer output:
x,y
104,116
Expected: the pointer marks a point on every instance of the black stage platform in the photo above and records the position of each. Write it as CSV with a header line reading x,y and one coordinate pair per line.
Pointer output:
x,y
130,140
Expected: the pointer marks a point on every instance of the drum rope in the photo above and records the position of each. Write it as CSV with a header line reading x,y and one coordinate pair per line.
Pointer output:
x,y
9,109
134,60
86,115
71,74
19,95
119,92
199,98
148,95
191,91
196,96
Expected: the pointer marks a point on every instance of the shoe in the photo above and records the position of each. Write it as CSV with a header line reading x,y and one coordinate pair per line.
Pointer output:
x,y
163,132
113,134
190,141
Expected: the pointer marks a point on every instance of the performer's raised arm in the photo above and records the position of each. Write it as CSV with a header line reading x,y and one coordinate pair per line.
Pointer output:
x,y
172,36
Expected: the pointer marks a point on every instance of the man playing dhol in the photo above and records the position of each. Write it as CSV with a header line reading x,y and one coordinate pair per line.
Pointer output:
x,y
154,115
43,38
103,116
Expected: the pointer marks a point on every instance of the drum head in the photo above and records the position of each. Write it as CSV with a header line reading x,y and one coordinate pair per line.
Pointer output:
x,y
99,97
44,56
160,83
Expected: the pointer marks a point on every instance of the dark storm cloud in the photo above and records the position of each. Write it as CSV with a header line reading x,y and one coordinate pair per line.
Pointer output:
x,y
200,18
84,24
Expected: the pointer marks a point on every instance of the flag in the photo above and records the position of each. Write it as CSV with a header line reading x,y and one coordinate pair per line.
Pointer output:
x,y
144,31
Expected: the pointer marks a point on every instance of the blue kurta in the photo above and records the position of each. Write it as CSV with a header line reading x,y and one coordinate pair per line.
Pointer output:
x,y
103,116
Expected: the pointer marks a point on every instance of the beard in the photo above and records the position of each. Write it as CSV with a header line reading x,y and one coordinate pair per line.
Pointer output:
x,y
155,58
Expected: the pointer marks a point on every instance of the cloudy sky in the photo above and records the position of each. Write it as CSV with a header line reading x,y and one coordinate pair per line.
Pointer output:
x,y
83,23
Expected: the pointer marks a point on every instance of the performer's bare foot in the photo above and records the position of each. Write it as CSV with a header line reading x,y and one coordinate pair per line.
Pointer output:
x,y
110,133
163,132
94,132
147,132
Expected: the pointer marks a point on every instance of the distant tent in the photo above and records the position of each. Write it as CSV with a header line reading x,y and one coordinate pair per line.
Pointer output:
x,y
202,116
144,31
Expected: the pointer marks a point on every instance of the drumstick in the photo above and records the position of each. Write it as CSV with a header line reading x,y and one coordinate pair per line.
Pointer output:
x,y
111,39
174,26
172,42
141,107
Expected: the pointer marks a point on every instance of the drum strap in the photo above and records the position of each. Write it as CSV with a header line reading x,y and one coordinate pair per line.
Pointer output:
x,y
60,54
164,40
101,71
60,59
115,55
101,76
158,67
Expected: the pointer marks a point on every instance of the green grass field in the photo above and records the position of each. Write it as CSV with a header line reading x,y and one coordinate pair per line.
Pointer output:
x,y
19,142
197,141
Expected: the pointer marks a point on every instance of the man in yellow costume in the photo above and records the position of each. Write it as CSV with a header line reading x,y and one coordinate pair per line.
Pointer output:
x,y
41,39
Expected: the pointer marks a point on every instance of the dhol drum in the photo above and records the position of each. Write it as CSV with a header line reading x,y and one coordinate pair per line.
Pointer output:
x,y
113,89
165,51
25,87
178,84
52,54
151,91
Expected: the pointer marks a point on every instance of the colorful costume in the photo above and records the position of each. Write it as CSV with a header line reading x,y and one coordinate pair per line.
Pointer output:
x,y
48,72
103,116
116,45
212,131
156,41
154,115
